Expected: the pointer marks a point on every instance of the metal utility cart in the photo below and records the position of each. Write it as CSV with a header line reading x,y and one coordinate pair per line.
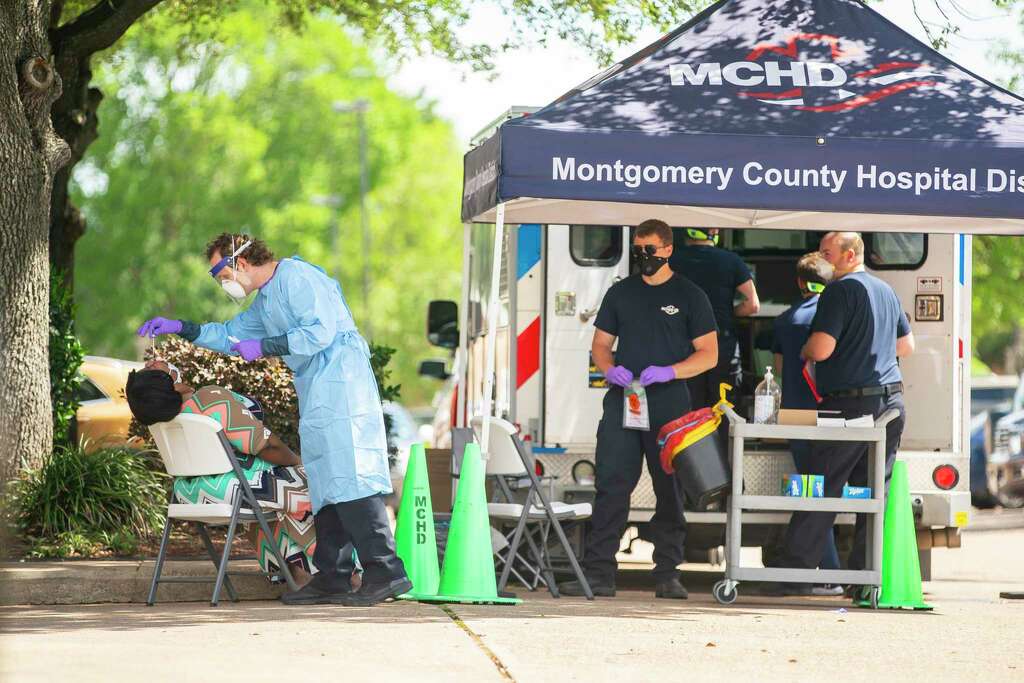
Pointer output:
x,y
725,591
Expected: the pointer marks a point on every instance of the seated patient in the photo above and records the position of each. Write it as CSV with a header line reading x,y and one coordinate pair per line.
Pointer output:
x,y
157,394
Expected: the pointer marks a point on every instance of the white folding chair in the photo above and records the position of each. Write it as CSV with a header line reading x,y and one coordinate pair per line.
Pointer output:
x,y
508,459
195,445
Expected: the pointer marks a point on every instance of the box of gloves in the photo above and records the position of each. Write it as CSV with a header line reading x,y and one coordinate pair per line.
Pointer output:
x,y
803,485
856,491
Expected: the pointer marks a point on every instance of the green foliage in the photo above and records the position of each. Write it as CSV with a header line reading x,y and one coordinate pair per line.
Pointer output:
x,y
73,544
978,368
79,502
65,359
997,307
407,28
241,134
380,357
267,380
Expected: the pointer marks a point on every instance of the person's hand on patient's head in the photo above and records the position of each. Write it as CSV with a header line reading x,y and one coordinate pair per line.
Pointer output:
x,y
159,325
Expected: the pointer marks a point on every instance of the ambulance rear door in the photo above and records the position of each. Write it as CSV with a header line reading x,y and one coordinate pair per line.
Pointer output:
x,y
581,263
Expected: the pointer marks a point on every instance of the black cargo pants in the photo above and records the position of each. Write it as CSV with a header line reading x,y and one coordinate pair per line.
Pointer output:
x,y
842,462
362,524
620,457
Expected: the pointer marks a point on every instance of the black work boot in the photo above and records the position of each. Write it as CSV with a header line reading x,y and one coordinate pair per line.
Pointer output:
x,y
322,589
601,589
671,589
373,593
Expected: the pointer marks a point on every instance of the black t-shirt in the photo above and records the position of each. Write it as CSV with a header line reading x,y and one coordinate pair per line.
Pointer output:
x,y
863,314
655,324
716,271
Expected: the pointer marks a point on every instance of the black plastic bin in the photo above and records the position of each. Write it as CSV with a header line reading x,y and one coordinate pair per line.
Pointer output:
x,y
703,471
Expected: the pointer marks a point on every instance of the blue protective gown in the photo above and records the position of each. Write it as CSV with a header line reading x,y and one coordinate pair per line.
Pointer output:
x,y
341,422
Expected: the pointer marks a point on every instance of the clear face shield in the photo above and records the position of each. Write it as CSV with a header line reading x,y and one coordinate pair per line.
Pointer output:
x,y
231,287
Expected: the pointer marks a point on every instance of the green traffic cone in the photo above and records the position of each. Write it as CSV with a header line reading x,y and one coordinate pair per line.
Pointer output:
x,y
414,534
901,568
468,573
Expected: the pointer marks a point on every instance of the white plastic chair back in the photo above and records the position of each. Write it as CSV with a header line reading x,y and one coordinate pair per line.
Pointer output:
x,y
502,456
190,447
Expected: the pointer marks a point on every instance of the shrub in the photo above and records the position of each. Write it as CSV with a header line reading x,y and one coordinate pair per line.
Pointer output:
x,y
77,503
380,357
267,380
65,359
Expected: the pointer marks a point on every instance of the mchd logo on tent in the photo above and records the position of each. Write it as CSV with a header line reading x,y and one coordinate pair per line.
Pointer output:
x,y
816,86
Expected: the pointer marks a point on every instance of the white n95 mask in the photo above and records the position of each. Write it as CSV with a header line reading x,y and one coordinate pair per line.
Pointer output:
x,y
174,372
233,289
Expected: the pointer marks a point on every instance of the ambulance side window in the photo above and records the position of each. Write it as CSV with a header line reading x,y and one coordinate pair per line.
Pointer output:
x,y
595,245
895,250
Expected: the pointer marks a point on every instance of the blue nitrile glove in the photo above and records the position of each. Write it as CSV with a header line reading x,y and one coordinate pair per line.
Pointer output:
x,y
249,349
619,376
158,326
656,374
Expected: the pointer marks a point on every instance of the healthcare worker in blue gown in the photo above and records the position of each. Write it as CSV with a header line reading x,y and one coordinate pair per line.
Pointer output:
x,y
299,314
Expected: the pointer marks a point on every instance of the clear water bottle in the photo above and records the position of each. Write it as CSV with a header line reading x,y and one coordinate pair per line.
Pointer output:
x,y
767,399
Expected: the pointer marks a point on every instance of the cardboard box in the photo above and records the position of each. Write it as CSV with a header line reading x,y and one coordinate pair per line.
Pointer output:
x,y
798,418
439,465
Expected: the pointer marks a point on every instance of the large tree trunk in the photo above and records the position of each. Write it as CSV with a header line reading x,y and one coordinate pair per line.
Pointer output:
x,y
30,155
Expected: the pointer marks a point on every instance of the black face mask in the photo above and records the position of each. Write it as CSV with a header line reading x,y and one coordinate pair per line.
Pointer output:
x,y
649,263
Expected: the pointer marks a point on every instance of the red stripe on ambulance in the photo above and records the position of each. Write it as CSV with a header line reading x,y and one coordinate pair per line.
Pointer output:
x,y
528,353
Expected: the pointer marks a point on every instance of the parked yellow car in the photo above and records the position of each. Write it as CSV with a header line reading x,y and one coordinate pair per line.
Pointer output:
x,y
103,415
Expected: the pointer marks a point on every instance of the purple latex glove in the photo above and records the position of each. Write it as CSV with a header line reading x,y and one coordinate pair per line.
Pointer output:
x,y
158,326
619,376
656,374
249,349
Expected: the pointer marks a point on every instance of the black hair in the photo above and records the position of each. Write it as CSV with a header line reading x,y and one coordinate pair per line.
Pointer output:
x,y
151,396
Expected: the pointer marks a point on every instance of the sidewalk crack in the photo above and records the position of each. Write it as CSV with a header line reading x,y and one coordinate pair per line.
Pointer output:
x,y
499,665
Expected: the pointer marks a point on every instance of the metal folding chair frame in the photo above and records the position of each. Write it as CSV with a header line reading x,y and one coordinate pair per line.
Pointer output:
x,y
552,522
222,578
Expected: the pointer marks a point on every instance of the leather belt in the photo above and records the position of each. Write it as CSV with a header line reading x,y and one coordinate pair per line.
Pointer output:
x,y
883,390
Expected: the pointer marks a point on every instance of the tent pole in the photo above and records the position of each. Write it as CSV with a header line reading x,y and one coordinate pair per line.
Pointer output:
x,y
492,328
461,363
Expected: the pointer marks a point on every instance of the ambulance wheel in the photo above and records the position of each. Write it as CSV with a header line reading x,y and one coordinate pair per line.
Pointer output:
x,y
873,596
724,594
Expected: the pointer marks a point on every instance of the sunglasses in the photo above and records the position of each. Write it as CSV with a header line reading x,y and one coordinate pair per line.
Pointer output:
x,y
648,249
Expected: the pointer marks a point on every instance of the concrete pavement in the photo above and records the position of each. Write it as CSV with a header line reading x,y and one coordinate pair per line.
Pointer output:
x,y
972,634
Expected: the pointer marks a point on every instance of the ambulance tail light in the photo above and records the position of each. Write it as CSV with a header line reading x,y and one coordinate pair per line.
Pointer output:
x,y
945,477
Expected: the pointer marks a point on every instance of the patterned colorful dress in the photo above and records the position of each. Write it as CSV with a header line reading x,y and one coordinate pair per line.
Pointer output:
x,y
279,488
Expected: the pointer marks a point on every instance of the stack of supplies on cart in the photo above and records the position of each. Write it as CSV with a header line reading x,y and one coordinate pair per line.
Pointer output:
x,y
823,418
803,485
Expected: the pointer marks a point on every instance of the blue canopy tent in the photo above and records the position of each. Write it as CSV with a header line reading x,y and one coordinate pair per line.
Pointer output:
x,y
792,114
782,114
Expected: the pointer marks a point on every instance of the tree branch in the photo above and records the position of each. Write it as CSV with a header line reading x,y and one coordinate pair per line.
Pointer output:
x,y
99,27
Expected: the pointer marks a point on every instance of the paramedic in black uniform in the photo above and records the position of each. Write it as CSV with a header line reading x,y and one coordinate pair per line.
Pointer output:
x,y
666,334
721,274
857,334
